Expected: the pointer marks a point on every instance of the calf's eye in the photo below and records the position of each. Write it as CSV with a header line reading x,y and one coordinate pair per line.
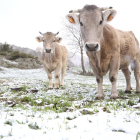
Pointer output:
x,y
101,22
81,24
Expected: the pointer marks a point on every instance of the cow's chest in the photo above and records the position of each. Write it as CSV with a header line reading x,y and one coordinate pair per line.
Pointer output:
x,y
50,66
104,65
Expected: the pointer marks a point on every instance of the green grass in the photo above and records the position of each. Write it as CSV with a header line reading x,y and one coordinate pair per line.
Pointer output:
x,y
8,122
130,102
33,126
138,135
1,136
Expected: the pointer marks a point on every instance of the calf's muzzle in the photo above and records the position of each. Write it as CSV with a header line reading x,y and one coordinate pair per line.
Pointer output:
x,y
48,50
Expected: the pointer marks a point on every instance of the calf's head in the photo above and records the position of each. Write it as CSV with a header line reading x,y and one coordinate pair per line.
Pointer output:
x,y
92,20
49,40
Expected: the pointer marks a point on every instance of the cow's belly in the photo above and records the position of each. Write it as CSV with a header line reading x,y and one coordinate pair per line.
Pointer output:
x,y
126,60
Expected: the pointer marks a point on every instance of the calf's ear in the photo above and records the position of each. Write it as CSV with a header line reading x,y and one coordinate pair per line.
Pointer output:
x,y
108,15
58,39
39,38
73,18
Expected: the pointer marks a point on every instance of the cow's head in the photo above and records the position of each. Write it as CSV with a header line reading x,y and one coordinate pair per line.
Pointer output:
x,y
49,40
92,20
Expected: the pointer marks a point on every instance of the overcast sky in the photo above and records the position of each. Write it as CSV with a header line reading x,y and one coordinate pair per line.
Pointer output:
x,y
21,20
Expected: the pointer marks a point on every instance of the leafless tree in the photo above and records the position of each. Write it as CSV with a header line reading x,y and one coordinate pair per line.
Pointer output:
x,y
38,49
73,35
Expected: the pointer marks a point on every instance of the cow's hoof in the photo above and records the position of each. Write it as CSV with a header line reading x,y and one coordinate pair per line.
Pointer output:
x,y
127,91
114,96
50,88
56,88
137,92
99,97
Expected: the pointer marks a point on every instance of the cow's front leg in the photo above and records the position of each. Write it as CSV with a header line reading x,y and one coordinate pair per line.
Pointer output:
x,y
114,69
49,76
100,94
57,75
99,79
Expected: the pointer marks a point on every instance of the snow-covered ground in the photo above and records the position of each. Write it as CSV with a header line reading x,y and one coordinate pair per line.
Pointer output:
x,y
33,112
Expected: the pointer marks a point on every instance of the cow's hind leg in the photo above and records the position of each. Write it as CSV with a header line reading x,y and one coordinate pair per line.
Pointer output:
x,y
49,76
63,72
127,73
57,75
137,74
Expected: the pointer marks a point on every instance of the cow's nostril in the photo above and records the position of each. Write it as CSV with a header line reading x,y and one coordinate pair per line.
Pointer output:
x,y
48,50
87,47
96,47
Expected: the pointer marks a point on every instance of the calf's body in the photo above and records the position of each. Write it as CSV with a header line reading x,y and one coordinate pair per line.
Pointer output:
x,y
54,57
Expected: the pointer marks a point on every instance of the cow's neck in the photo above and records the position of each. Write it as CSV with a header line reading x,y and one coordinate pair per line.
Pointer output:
x,y
98,55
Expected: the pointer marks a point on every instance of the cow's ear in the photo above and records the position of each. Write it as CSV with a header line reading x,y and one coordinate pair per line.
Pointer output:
x,y
58,39
73,18
108,15
39,38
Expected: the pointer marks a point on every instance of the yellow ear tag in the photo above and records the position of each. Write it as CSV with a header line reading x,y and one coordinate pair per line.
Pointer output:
x,y
58,41
110,17
71,20
38,40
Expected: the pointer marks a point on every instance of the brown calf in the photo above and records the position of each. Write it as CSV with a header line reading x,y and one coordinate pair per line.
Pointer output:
x,y
54,57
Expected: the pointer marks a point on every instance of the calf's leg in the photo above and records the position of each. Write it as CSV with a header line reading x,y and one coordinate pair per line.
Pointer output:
x,y
57,75
49,76
63,72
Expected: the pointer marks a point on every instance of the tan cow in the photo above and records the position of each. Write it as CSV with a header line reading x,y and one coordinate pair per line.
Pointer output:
x,y
107,48
54,57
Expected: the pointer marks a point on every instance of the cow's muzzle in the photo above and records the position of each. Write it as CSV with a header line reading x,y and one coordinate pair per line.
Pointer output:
x,y
48,50
92,46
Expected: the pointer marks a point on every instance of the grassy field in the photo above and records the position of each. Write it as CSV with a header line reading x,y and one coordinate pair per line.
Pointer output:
x,y
27,105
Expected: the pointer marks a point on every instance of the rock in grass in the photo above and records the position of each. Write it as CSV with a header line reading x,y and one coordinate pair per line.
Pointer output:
x,y
86,111
33,90
70,109
16,89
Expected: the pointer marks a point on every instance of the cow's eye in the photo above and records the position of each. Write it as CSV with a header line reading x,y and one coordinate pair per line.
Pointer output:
x,y
43,40
101,22
81,24
54,41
